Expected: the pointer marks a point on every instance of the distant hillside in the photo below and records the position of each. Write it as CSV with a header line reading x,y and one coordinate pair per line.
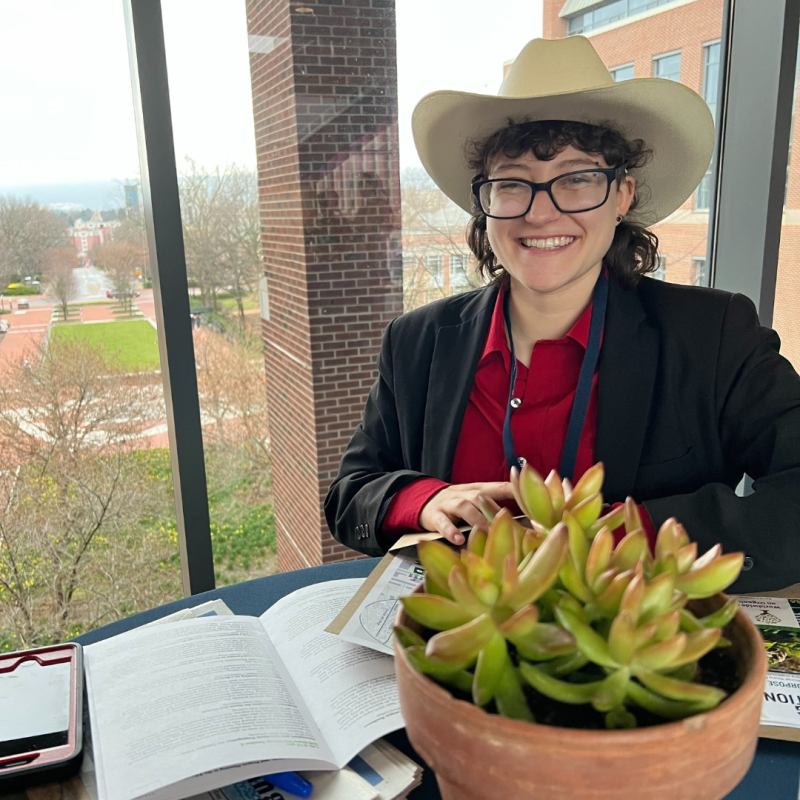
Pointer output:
x,y
97,195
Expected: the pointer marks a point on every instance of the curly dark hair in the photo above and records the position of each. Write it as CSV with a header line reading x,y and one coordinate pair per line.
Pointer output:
x,y
634,249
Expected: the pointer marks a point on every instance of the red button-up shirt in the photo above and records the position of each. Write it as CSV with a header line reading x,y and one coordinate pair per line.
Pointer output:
x,y
547,390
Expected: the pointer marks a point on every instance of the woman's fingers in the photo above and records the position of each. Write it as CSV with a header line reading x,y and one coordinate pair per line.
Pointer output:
x,y
498,490
446,527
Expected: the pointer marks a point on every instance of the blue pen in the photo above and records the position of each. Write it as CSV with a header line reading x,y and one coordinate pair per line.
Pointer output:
x,y
290,782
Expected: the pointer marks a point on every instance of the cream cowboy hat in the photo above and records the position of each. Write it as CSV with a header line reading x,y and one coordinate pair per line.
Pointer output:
x,y
564,79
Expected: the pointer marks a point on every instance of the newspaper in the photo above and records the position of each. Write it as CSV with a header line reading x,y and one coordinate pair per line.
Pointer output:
x,y
369,621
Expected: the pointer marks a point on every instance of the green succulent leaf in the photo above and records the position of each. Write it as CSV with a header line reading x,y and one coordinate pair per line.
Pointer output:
x,y
612,520
631,549
590,483
590,643
572,581
542,570
711,578
597,561
631,601
461,645
556,489
612,690
633,519
564,665
435,612
668,709
534,498
588,510
462,594
661,655
704,697
722,616
698,643
520,624
543,642
619,718
489,508
428,666
492,661
689,621
657,596
667,540
500,543
408,638
510,698
562,691
438,560
578,543
686,556
476,543
622,638
609,601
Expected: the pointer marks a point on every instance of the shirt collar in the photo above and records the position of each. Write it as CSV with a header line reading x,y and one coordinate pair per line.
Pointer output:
x,y
496,340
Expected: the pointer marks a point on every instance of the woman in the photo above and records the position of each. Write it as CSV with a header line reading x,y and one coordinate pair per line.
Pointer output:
x,y
570,355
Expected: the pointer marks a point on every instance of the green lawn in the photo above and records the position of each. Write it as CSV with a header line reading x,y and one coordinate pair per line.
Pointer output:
x,y
135,341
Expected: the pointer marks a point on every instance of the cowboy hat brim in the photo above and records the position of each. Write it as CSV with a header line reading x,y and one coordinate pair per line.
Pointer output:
x,y
674,122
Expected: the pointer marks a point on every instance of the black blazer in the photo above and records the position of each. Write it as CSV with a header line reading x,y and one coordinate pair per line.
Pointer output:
x,y
693,393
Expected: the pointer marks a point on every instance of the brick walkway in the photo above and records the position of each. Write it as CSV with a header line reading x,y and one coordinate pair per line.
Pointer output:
x,y
96,314
26,332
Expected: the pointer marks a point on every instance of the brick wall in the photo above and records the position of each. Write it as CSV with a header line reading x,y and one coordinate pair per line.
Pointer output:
x,y
683,236
325,108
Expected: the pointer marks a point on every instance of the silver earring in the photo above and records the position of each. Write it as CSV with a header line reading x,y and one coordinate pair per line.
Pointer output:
x,y
619,219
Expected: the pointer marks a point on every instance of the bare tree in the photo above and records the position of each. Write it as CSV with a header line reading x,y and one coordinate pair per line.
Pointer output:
x,y
222,231
72,496
433,229
28,232
59,274
119,260
233,393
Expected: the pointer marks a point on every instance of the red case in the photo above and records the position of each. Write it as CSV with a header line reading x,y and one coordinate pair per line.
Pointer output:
x,y
54,763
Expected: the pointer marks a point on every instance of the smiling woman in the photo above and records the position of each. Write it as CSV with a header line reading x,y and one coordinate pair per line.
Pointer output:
x,y
571,354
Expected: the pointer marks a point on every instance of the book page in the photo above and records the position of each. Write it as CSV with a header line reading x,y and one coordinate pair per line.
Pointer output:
x,y
350,690
173,702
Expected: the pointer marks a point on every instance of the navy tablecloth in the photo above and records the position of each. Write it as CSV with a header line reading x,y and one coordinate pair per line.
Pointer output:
x,y
774,775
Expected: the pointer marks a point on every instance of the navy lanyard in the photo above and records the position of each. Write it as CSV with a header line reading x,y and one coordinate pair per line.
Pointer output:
x,y
578,415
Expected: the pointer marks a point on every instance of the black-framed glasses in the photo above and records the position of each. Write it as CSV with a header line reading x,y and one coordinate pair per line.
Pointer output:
x,y
571,193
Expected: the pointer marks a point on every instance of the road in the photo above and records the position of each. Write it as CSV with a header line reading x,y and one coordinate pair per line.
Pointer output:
x,y
92,285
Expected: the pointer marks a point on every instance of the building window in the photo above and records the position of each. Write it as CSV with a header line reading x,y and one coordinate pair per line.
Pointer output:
x,y
661,269
702,198
434,266
711,53
699,270
608,12
668,66
623,73
459,278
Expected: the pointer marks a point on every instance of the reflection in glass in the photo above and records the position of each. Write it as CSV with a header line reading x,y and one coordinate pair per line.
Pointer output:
x,y
667,66
623,73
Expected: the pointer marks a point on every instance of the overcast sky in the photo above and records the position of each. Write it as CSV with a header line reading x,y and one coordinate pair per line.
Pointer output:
x,y
65,97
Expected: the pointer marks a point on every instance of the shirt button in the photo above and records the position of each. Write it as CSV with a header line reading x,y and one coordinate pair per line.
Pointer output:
x,y
515,402
747,564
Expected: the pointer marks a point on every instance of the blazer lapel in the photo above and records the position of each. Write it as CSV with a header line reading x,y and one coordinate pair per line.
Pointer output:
x,y
455,359
627,371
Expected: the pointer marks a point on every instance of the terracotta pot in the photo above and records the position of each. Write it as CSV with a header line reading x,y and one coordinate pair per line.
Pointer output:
x,y
481,756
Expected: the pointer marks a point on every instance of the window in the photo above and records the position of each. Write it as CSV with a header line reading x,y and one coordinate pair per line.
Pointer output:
x,y
623,73
608,12
703,194
667,66
434,266
711,53
459,278
661,271
699,277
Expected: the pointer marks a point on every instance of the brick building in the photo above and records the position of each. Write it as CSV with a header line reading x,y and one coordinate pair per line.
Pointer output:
x,y
325,107
679,39
95,232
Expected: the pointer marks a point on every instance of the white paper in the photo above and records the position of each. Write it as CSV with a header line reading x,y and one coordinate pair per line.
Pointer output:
x,y
775,611
350,690
781,700
371,624
34,700
172,703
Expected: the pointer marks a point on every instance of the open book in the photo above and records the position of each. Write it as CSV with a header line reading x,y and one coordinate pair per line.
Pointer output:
x,y
195,705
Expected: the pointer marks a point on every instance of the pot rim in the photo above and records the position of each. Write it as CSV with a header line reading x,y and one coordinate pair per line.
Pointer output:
x,y
475,715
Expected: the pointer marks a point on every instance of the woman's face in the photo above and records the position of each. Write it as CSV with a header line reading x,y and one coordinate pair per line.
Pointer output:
x,y
521,244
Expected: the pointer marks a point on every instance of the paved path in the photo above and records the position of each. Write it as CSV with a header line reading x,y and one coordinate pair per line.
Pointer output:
x,y
96,314
26,332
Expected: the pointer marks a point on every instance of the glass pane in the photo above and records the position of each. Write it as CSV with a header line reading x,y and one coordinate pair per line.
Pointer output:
x,y
87,521
622,73
212,114
786,314
668,67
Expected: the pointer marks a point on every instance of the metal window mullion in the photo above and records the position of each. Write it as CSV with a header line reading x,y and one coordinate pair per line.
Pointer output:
x,y
148,68
756,91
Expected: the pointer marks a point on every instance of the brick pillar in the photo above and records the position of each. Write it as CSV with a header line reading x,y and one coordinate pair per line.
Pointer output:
x,y
325,105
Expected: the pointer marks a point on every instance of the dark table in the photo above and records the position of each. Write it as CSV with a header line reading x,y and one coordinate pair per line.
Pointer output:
x,y
774,775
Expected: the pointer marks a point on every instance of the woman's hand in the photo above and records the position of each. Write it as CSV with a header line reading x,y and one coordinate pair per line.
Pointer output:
x,y
459,504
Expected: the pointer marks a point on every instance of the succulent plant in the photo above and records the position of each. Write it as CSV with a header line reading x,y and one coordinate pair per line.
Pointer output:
x,y
559,607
